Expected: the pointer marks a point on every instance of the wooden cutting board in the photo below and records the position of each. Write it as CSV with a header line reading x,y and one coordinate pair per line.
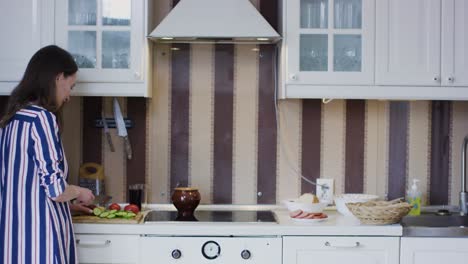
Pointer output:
x,y
91,219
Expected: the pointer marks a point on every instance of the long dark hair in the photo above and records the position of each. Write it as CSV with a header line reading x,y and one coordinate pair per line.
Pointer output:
x,y
38,82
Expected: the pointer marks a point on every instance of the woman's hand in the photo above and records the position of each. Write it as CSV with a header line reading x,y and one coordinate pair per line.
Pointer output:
x,y
82,195
79,208
85,196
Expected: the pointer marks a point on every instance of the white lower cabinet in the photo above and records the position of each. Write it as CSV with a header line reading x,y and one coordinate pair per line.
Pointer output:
x,y
107,248
431,250
338,250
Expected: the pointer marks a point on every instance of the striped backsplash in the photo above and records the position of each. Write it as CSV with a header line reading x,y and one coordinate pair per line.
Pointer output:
x,y
213,123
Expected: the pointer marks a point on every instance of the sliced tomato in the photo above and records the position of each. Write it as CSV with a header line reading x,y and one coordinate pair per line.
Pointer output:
x,y
132,207
114,206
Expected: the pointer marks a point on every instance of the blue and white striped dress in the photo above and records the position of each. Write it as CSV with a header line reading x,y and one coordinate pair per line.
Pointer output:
x,y
33,169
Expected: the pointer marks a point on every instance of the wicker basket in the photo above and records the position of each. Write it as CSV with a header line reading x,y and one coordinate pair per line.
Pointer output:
x,y
379,212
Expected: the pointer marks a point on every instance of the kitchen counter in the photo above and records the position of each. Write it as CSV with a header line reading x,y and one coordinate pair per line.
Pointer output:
x,y
335,225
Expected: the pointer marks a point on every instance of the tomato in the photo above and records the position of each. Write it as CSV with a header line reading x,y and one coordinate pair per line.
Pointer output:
x,y
133,208
114,206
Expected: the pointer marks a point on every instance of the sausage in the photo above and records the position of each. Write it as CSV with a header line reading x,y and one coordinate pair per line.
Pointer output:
x,y
294,214
302,215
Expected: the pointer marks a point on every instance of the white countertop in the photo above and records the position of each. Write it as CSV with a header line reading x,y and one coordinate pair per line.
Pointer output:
x,y
335,225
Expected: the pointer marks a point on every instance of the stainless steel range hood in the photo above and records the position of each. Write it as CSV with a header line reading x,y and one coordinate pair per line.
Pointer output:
x,y
214,21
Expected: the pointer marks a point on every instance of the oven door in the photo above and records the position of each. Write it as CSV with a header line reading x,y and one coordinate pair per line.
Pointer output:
x,y
216,250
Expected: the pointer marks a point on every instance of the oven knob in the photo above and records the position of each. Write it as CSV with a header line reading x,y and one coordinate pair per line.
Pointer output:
x,y
245,254
176,254
211,250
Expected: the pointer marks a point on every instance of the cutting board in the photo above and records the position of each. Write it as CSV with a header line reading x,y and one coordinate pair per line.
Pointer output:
x,y
91,219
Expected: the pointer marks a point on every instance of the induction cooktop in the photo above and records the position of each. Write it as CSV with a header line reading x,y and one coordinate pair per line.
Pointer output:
x,y
227,216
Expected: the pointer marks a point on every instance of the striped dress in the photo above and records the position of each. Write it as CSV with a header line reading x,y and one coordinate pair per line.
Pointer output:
x,y
33,170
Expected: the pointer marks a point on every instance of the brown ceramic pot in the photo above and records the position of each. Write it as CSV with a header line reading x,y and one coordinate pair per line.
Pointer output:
x,y
185,199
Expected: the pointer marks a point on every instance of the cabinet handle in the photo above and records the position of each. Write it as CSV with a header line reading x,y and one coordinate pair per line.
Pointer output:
x,y
436,79
293,77
101,243
355,245
451,79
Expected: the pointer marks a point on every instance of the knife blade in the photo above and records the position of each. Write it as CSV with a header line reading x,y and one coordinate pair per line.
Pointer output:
x,y
106,131
121,129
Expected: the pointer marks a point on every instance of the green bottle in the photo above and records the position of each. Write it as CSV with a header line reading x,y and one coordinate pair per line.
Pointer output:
x,y
413,197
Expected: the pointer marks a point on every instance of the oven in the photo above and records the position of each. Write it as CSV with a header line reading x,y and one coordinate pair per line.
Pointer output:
x,y
206,248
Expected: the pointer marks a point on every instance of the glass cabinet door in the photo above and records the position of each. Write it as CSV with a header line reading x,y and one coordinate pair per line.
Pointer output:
x,y
329,40
100,35
116,44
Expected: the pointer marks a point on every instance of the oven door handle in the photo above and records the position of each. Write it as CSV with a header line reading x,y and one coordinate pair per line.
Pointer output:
x,y
95,243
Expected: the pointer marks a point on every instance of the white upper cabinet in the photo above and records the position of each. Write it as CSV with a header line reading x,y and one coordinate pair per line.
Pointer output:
x,y
454,43
107,38
408,42
422,43
25,26
327,43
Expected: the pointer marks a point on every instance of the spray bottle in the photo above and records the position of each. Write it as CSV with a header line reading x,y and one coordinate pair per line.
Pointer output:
x,y
413,197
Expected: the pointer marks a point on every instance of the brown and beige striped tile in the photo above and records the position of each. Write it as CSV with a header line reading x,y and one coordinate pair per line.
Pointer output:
x,y
136,167
223,123
459,131
180,98
418,146
354,146
245,124
332,163
371,148
72,136
398,146
440,152
311,137
115,163
201,120
289,149
159,118
383,138
267,136
92,136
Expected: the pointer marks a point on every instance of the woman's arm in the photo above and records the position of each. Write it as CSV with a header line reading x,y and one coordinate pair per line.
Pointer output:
x,y
48,154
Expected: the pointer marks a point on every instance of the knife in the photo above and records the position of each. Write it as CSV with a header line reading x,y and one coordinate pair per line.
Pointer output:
x,y
121,129
106,131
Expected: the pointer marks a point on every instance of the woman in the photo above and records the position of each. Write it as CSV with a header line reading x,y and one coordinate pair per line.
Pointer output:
x,y
35,220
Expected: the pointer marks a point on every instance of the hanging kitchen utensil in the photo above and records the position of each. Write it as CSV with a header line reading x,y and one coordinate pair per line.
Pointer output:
x,y
106,131
121,129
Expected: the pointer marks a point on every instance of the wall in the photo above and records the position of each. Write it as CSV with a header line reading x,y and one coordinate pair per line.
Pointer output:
x,y
212,124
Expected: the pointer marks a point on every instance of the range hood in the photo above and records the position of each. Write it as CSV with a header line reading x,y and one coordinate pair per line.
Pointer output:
x,y
214,21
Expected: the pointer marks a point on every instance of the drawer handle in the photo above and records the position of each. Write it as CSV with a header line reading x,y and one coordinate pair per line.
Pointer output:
x,y
93,243
355,245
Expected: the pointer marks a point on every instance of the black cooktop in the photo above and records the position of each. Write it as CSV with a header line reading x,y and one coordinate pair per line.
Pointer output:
x,y
235,216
